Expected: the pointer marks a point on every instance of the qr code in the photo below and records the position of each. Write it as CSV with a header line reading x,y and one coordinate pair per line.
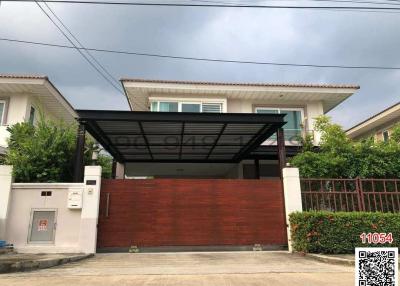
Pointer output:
x,y
377,266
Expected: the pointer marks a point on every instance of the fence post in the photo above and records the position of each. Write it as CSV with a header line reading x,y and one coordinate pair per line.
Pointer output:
x,y
292,196
360,194
6,180
90,209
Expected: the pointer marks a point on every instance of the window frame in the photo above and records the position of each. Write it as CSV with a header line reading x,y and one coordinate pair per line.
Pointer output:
x,y
3,115
221,104
181,102
34,114
190,102
279,109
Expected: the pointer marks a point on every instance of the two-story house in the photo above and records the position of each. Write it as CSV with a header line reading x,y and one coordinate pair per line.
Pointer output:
x,y
299,104
23,98
378,126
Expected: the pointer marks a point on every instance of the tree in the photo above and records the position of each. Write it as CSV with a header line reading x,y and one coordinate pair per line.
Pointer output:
x,y
339,157
44,152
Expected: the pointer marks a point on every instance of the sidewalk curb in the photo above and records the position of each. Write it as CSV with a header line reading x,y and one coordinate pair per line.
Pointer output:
x,y
30,265
331,260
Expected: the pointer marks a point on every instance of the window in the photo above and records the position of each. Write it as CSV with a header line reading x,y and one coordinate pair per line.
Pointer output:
x,y
386,136
293,118
2,111
175,106
212,107
190,107
32,115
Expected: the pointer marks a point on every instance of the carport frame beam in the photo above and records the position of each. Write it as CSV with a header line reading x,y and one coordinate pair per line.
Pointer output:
x,y
79,154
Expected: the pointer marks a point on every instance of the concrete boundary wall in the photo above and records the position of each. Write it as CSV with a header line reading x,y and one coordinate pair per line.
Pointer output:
x,y
76,229
73,232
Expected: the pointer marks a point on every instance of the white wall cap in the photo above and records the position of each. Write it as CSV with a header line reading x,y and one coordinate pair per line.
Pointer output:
x,y
93,171
290,172
48,186
6,170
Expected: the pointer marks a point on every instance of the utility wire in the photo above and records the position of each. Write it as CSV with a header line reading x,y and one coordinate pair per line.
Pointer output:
x,y
81,45
209,5
79,49
205,59
329,10
252,2
393,2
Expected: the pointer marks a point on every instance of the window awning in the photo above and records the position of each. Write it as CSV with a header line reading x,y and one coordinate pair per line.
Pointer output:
x,y
131,136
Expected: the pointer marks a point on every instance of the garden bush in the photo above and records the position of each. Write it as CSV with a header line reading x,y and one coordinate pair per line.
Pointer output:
x,y
339,232
44,152
340,157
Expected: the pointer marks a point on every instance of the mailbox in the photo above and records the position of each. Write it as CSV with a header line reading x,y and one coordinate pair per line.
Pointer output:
x,y
75,199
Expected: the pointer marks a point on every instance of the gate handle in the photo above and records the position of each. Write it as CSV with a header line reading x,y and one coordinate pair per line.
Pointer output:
x,y
107,204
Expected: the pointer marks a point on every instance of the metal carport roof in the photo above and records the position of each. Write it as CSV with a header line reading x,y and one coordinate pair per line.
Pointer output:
x,y
131,136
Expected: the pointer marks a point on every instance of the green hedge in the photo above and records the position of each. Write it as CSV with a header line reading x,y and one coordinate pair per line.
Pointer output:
x,y
329,232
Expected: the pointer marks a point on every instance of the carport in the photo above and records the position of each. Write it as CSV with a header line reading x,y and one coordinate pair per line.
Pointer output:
x,y
190,212
172,137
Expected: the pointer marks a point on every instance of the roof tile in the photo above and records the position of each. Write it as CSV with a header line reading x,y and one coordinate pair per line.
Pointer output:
x,y
242,84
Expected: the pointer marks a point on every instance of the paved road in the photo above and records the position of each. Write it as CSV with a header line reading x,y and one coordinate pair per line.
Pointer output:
x,y
186,269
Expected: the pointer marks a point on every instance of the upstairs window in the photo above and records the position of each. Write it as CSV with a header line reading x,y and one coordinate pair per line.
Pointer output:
x,y
294,117
212,107
32,114
2,111
190,107
168,106
196,107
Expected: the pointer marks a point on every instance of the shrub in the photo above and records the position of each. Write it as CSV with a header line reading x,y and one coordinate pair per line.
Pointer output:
x,y
329,232
44,152
41,153
339,157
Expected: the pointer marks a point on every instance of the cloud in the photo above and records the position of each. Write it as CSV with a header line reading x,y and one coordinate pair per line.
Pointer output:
x,y
322,37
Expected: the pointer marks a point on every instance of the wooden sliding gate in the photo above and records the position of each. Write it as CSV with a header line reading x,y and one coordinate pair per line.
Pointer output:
x,y
191,212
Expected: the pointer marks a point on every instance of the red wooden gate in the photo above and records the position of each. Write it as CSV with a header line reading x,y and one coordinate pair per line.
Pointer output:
x,y
191,212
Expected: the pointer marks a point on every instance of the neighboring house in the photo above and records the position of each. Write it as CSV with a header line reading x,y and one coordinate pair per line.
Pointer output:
x,y
301,104
24,97
377,126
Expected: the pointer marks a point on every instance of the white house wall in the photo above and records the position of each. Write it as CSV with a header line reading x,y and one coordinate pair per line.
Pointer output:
x,y
15,112
18,110
312,109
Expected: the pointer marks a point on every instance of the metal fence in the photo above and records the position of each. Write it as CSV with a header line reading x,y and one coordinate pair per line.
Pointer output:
x,y
370,195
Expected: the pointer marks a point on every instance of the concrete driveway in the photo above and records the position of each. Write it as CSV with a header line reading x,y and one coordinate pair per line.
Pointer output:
x,y
207,268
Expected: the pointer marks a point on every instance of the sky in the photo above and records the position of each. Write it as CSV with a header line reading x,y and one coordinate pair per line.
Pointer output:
x,y
294,36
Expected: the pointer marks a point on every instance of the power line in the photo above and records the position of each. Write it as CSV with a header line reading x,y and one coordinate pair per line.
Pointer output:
x,y
351,9
205,59
210,5
393,2
81,45
78,49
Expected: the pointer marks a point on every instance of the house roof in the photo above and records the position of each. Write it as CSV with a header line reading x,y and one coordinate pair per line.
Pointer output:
x,y
243,84
23,76
138,91
385,116
43,89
